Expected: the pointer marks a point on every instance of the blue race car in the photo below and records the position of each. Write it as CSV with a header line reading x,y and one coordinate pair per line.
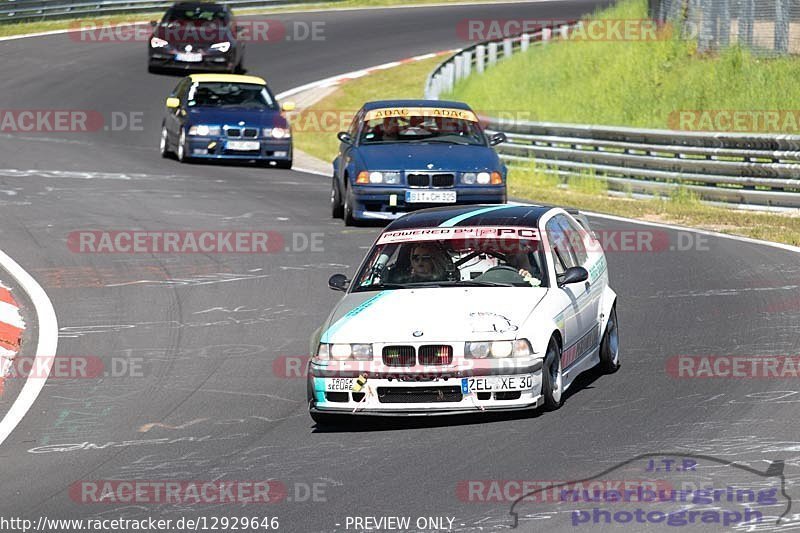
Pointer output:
x,y
226,116
403,155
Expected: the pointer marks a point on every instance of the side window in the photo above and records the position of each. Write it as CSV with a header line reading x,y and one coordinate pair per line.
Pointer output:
x,y
353,130
563,256
575,238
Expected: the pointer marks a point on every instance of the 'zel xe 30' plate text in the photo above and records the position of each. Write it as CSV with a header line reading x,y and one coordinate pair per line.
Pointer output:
x,y
497,384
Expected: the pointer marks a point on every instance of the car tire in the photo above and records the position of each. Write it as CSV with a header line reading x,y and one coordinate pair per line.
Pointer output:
x,y
552,377
182,157
337,210
163,145
284,164
349,219
609,345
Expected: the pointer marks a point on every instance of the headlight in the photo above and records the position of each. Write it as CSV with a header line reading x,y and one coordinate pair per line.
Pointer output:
x,y
484,178
497,349
203,130
155,42
388,178
277,133
222,47
344,352
469,178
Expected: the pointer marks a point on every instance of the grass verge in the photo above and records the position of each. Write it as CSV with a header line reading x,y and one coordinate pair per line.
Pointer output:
x,y
638,83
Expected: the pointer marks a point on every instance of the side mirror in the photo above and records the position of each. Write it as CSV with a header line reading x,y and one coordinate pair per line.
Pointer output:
x,y
288,106
497,138
344,137
573,275
338,282
173,103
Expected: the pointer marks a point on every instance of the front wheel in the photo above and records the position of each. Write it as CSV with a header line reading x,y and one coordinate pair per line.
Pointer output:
x,y
349,219
163,145
284,164
552,377
182,156
609,346
337,210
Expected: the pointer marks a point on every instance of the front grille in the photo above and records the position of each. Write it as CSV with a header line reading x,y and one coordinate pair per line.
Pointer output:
x,y
418,180
435,354
398,355
233,132
419,394
443,180
250,133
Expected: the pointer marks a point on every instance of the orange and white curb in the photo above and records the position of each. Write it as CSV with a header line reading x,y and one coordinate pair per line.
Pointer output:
x,y
11,328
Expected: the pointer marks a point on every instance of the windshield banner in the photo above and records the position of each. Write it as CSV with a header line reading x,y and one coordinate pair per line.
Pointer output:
x,y
458,233
405,112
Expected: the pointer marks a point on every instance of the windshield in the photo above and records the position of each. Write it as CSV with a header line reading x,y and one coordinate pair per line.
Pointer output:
x,y
198,15
227,94
454,257
421,125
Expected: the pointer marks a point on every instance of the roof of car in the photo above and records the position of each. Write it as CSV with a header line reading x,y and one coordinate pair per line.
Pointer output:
x,y
192,5
472,215
380,104
226,78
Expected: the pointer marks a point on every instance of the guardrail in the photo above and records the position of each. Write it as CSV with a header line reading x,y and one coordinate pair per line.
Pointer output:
x,y
756,169
29,10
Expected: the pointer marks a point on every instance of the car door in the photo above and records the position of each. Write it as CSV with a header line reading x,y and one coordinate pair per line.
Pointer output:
x,y
567,297
590,291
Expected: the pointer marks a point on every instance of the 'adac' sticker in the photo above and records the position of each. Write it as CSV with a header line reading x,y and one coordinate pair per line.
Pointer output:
x,y
400,112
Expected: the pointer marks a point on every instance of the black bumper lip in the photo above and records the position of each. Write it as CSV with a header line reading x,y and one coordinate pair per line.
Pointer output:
x,y
423,414
322,372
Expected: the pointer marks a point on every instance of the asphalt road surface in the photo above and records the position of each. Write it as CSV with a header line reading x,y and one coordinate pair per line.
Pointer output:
x,y
199,342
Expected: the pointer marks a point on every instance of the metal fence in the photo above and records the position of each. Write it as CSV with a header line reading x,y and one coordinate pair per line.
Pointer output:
x,y
767,26
30,10
755,169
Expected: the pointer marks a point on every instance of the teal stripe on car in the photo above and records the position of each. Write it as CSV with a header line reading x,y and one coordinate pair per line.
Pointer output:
x,y
455,220
336,326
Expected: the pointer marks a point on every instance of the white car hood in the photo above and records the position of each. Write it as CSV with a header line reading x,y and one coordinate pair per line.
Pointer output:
x,y
441,314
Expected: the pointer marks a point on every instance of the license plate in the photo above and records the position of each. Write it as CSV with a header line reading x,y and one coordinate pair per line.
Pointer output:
x,y
189,57
338,384
243,146
497,384
430,197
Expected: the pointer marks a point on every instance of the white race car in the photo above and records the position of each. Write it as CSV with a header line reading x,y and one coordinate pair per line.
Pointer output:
x,y
466,309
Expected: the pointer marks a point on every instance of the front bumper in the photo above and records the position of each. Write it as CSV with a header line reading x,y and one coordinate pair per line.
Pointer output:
x,y
214,148
376,203
425,391
217,62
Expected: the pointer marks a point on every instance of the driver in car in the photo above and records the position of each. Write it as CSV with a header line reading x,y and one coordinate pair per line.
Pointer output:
x,y
428,263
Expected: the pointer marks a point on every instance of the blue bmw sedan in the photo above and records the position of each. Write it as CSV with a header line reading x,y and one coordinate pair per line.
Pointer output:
x,y
402,155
